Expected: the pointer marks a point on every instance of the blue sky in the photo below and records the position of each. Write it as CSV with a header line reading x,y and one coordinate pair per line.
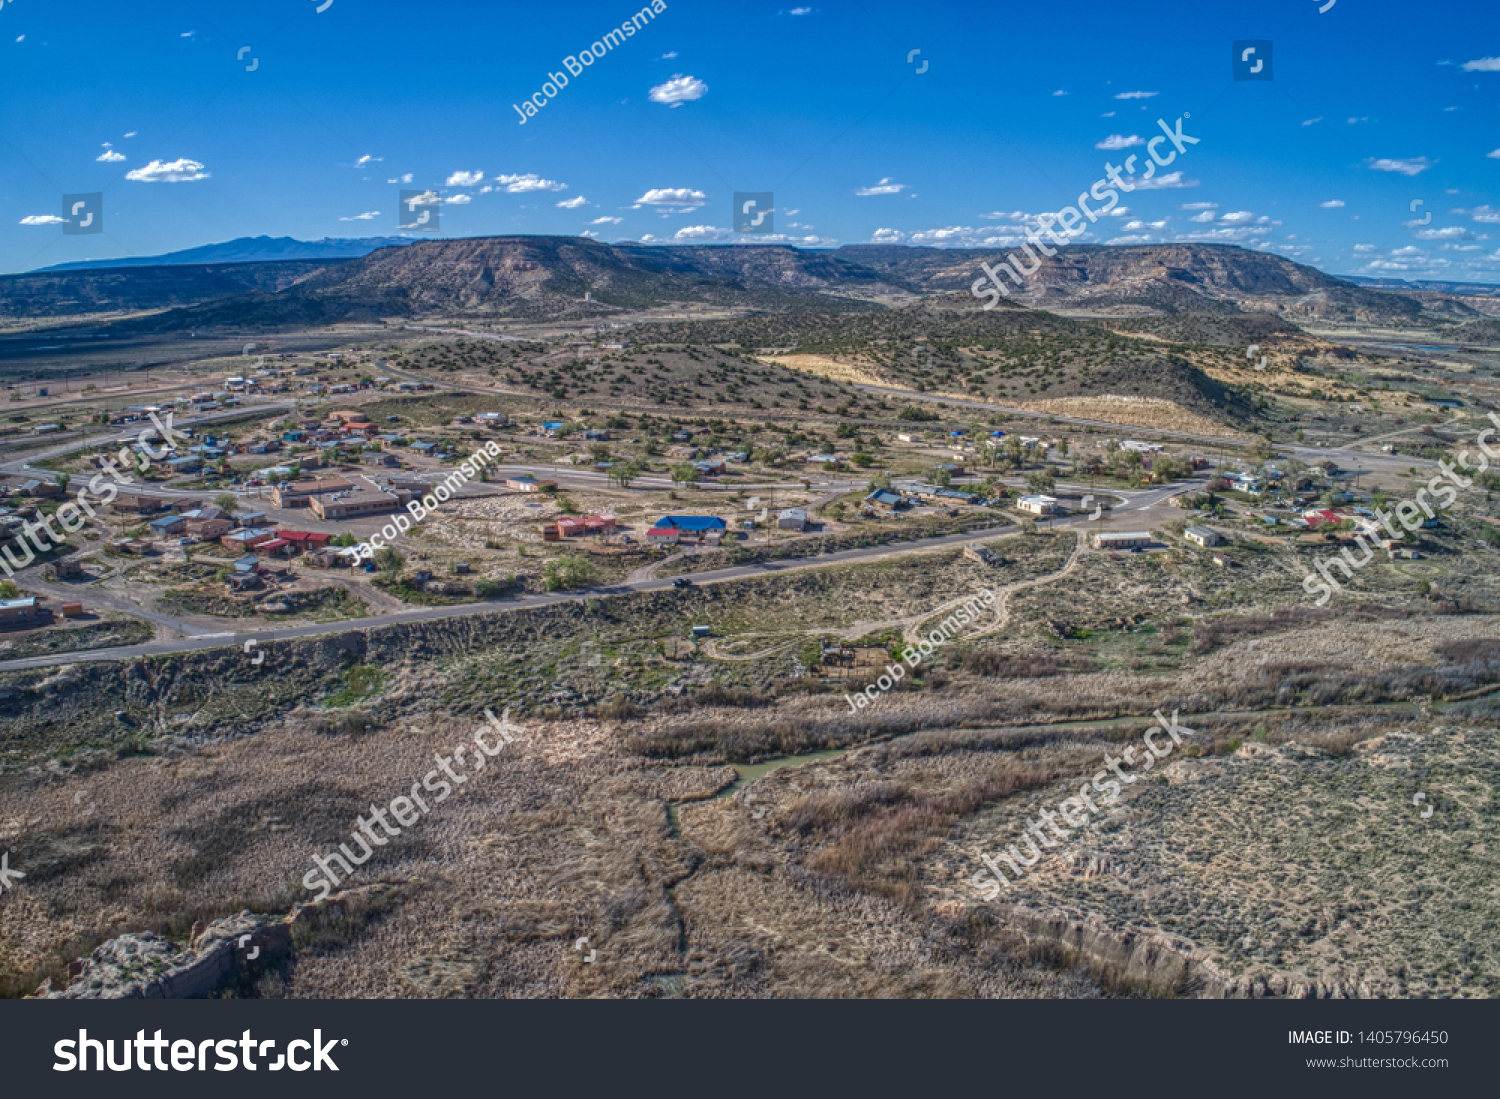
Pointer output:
x,y
1373,105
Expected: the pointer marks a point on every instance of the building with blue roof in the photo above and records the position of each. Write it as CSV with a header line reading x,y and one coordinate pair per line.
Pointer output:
x,y
691,522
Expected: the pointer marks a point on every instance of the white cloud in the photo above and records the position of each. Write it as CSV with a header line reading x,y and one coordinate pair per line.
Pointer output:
x,y
109,156
1014,215
1236,217
1119,141
799,11
367,216
1451,233
1364,248
131,133
1483,65
528,182
1235,234
887,236
1331,204
1409,167
1109,114
1494,155
606,221
43,219
175,171
1137,225
1356,121
1198,206
464,179
667,56
1136,95
572,203
1139,238
679,90
672,196
712,234
1409,250
21,39
884,187
1059,91
404,179
1463,248
1206,216
366,159
457,200
1311,121
1487,214
1169,181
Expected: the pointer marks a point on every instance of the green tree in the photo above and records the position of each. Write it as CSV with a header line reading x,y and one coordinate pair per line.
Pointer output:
x,y
390,561
1041,480
227,502
622,473
8,589
568,572
685,473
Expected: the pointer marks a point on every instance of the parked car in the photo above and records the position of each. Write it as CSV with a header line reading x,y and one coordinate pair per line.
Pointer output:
x,y
682,582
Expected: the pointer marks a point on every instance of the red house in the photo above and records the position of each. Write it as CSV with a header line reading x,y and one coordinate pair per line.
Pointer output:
x,y
306,541
598,524
663,536
276,547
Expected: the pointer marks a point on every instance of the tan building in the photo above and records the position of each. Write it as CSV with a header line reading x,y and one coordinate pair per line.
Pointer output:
x,y
351,505
297,494
1202,536
1122,539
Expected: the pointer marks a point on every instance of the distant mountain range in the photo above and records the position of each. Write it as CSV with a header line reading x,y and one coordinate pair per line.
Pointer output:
x,y
557,278
246,250
1481,289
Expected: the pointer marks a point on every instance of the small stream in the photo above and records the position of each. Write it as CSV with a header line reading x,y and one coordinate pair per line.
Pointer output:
x,y
672,984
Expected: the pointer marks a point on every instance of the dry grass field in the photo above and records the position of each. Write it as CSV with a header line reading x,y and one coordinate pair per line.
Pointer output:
x,y
1279,853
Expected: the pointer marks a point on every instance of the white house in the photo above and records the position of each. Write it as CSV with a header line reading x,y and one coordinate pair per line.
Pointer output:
x,y
1037,504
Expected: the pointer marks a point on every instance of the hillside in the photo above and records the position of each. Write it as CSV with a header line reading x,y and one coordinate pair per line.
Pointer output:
x,y
544,277
129,290
1152,278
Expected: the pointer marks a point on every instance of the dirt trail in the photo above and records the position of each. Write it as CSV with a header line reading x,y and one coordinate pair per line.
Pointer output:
x,y
910,624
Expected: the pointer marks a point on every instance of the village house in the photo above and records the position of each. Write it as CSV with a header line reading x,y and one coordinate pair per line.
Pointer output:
x,y
1122,539
792,519
1202,536
22,613
1037,504
242,540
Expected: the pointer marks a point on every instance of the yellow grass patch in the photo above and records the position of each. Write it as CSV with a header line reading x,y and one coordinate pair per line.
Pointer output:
x,y
824,367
